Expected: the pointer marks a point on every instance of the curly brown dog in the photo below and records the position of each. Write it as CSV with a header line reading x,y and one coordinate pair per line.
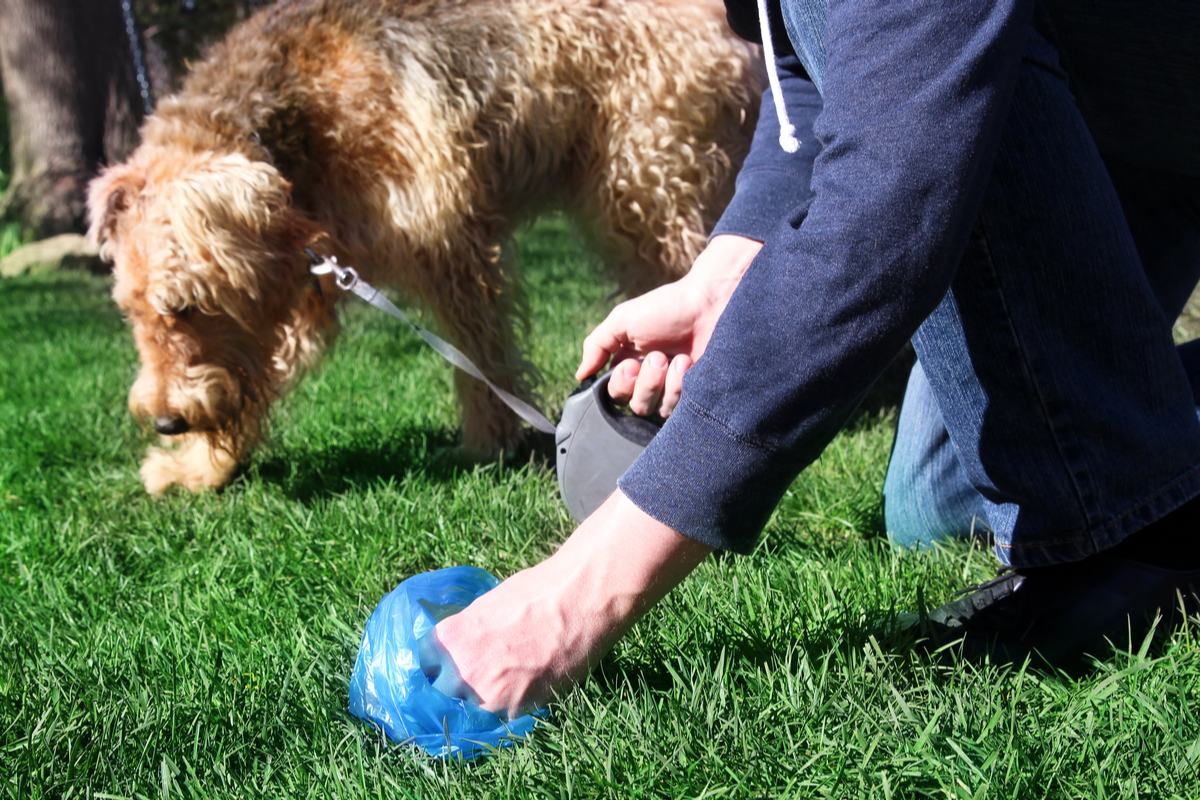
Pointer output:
x,y
409,139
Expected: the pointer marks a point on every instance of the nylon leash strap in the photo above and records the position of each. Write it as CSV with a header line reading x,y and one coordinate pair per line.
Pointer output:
x,y
348,280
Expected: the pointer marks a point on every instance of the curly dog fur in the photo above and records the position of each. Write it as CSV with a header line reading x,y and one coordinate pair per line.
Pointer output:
x,y
409,139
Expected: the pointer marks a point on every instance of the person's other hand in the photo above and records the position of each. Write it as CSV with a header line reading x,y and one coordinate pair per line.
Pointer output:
x,y
669,327
545,628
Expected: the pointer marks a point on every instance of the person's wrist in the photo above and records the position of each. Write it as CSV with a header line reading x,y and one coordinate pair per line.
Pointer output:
x,y
543,629
727,256
717,272
624,561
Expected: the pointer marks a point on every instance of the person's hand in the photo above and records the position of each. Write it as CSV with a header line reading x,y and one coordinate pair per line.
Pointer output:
x,y
669,326
545,628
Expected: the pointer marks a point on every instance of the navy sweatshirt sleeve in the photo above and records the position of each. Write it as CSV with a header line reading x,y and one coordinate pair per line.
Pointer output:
x,y
915,95
771,182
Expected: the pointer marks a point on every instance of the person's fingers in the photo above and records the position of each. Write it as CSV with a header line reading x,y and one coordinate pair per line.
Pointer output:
x,y
451,684
624,376
441,670
430,654
648,390
599,345
674,384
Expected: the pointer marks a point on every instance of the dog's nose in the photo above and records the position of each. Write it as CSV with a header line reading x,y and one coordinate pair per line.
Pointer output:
x,y
171,426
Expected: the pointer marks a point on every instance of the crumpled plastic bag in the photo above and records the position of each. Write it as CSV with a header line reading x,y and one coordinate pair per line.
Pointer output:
x,y
388,687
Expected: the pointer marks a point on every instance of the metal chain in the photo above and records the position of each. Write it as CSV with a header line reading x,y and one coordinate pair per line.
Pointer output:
x,y
139,63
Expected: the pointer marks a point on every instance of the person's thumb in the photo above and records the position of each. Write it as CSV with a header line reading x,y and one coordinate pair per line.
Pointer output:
x,y
600,345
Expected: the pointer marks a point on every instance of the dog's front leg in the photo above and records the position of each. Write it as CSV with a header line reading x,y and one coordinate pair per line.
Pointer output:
x,y
478,310
489,426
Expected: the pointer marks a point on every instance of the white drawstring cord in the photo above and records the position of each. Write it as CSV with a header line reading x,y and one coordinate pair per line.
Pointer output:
x,y
787,131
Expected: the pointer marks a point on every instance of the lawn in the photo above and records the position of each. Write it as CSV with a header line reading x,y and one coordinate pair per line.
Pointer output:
x,y
10,232
200,645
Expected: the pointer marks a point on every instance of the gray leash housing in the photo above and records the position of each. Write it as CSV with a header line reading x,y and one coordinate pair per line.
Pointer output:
x,y
594,444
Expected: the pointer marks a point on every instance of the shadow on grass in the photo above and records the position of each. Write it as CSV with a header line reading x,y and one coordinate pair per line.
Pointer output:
x,y
436,454
875,635
65,282
305,475
67,305
743,650
64,324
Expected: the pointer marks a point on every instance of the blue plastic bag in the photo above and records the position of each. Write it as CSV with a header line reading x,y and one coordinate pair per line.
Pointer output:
x,y
388,687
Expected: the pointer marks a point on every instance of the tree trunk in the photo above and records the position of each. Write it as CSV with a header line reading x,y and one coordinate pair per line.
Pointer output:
x,y
73,105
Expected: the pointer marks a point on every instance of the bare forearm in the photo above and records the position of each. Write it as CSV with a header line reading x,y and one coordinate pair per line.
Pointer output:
x,y
625,561
718,270
544,628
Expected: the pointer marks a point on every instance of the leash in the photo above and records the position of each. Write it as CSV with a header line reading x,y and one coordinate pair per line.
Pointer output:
x,y
348,281
135,50
594,443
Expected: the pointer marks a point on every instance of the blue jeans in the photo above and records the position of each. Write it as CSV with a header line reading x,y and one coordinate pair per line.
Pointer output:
x,y
1049,408
928,496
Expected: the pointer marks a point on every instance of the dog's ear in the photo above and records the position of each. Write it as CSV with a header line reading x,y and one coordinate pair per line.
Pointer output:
x,y
110,195
233,219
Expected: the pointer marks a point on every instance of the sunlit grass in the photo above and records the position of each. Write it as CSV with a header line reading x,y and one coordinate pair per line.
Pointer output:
x,y
200,645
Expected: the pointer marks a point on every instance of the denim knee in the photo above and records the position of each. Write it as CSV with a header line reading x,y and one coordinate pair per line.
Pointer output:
x,y
926,495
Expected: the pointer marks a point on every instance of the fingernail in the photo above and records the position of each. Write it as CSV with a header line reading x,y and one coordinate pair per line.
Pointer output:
x,y
657,360
680,365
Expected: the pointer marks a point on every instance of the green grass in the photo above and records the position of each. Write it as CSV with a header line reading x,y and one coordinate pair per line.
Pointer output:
x,y
10,232
200,646
10,237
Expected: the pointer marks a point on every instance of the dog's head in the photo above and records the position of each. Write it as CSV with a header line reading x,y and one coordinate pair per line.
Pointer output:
x,y
210,270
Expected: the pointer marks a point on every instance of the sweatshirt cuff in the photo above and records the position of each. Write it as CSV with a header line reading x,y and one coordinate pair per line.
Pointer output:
x,y
703,480
763,197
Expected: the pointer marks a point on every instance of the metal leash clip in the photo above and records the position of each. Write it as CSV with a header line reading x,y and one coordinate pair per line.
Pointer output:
x,y
346,277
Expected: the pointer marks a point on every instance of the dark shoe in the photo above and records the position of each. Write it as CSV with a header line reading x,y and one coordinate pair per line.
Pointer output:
x,y
1060,614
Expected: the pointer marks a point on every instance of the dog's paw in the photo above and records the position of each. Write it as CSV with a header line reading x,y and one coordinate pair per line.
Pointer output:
x,y
193,464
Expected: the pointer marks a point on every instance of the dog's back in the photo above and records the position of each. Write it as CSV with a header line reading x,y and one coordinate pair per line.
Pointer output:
x,y
505,107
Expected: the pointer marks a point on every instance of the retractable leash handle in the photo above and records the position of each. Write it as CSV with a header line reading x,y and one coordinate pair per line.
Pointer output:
x,y
595,444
